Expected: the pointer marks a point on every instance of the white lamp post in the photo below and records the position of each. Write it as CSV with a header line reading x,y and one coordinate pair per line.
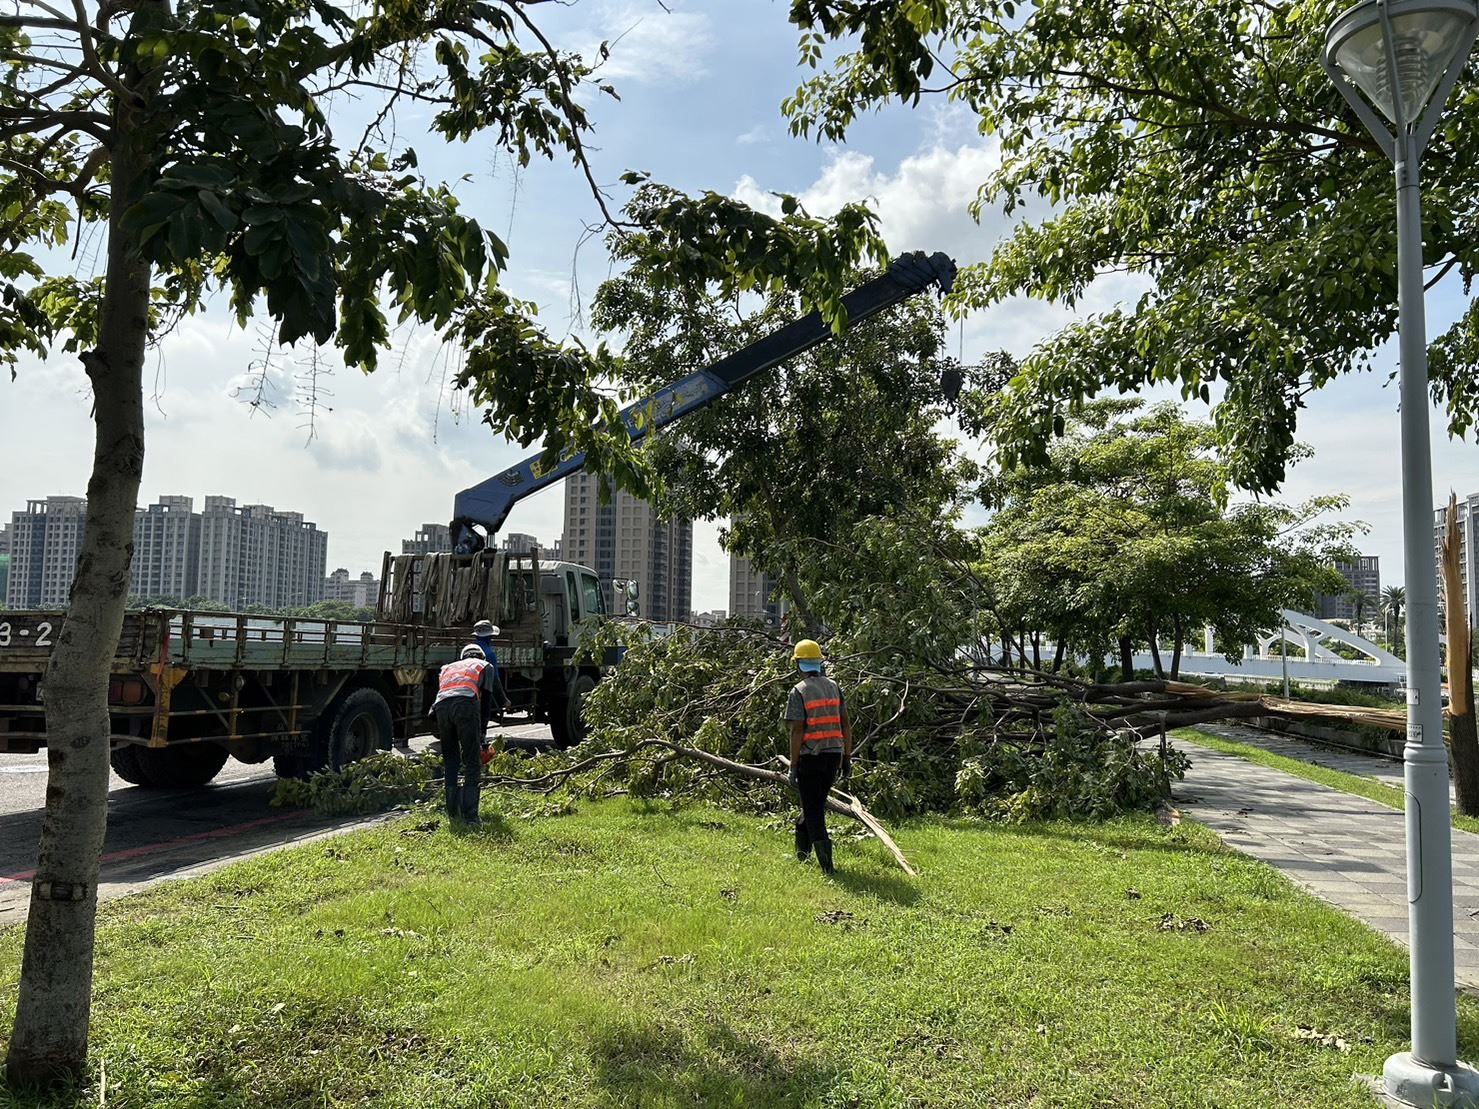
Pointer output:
x,y
1405,56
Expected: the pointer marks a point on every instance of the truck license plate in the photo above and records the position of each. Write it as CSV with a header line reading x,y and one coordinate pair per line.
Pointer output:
x,y
25,633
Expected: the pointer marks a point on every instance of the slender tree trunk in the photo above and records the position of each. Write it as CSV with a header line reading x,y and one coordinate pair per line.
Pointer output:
x,y
1127,659
1037,650
1022,649
814,627
49,1041
1176,649
1059,652
1463,737
1155,653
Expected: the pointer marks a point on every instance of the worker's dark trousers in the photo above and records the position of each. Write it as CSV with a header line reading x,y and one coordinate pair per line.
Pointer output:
x,y
815,774
460,728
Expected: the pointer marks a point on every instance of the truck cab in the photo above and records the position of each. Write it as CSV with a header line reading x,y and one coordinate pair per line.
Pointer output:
x,y
571,601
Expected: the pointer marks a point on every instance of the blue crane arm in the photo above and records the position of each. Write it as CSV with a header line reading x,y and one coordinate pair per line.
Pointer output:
x,y
487,504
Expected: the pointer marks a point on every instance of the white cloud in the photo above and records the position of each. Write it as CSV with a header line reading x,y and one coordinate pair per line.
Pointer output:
x,y
757,135
922,205
650,44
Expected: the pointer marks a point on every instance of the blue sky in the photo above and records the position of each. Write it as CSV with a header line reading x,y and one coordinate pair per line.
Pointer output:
x,y
701,88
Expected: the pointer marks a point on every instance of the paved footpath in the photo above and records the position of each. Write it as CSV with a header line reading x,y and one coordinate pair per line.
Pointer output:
x,y
1342,848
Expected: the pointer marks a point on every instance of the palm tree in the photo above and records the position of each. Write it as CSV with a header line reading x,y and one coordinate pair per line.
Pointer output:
x,y
1393,602
1358,599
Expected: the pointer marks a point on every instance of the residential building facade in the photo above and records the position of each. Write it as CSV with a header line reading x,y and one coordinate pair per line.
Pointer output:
x,y
45,541
254,554
166,562
1364,577
752,593
430,539
626,538
362,592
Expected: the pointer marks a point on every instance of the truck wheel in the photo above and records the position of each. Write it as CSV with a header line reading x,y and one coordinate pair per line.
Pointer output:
x,y
567,720
290,764
183,766
361,725
125,762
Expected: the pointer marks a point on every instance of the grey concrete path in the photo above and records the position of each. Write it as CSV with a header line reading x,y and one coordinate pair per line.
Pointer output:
x,y
1387,771
1342,848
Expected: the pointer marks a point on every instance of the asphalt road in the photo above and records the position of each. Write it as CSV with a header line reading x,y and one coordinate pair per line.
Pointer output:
x,y
154,835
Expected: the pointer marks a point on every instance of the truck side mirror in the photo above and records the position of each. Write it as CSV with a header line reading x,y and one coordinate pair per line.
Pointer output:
x,y
627,590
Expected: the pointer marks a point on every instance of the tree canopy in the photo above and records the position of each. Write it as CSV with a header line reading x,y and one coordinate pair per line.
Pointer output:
x,y
1124,536
802,453
1198,145
203,135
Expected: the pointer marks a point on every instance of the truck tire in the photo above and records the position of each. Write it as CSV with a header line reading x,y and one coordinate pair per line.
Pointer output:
x,y
290,764
359,726
124,759
566,718
182,766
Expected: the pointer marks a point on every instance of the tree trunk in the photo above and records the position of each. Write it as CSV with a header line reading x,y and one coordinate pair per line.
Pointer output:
x,y
1463,739
1127,659
1059,652
814,627
49,1041
1176,650
1155,653
1037,650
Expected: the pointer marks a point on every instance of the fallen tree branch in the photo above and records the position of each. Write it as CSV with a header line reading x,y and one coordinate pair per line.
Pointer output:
x,y
844,804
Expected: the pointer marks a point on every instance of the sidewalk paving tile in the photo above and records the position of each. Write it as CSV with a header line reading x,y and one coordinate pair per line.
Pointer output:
x,y
1344,849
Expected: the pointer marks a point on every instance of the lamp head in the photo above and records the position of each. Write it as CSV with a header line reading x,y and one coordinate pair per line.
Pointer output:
x,y
1405,56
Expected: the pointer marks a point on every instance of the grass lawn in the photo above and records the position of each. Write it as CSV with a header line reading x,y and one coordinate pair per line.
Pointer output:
x,y
626,955
1368,788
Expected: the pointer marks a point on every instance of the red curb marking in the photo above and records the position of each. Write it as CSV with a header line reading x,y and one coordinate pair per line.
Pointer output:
x,y
166,845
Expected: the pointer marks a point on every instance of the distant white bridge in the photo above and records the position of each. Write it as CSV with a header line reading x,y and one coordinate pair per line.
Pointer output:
x,y
1310,658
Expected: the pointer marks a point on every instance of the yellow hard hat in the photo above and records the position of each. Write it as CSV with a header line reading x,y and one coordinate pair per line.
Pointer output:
x,y
809,650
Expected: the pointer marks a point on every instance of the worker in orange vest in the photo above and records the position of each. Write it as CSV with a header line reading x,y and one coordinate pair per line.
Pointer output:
x,y
821,748
466,692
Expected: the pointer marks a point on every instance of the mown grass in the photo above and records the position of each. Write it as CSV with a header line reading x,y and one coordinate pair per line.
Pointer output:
x,y
626,955
1369,788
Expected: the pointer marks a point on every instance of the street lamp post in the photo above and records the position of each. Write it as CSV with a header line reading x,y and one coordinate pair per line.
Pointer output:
x,y
1405,56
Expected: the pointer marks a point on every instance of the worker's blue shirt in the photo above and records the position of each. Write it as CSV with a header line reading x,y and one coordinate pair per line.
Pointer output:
x,y
486,643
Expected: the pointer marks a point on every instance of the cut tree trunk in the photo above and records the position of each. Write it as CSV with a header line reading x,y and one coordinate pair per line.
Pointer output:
x,y
48,1044
1463,740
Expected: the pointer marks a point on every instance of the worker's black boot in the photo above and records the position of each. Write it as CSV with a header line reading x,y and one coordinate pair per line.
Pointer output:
x,y
803,841
824,855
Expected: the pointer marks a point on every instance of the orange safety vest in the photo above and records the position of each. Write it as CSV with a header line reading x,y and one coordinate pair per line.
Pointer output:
x,y
460,679
823,719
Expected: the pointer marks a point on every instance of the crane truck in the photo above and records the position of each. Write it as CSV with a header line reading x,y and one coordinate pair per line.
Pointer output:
x,y
190,690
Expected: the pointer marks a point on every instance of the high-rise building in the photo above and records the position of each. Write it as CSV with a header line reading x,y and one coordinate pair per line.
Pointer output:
x,y
1364,577
362,592
752,593
4,560
518,542
45,540
625,538
1468,535
431,539
166,560
254,554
